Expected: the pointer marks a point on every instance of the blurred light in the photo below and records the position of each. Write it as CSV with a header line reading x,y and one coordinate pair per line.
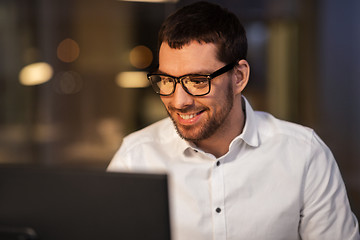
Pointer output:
x,y
68,82
35,74
149,1
132,80
257,33
68,50
45,133
140,57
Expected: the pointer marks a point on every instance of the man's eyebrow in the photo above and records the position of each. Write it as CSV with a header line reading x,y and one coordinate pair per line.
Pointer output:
x,y
158,71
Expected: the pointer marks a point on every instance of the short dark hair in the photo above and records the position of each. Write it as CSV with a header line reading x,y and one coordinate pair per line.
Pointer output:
x,y
206,23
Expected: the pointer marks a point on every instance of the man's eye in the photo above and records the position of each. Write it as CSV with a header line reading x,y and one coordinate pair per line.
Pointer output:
x,y
166,80
197,81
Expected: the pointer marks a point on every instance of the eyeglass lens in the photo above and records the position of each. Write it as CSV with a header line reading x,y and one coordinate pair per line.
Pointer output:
x,y
194,85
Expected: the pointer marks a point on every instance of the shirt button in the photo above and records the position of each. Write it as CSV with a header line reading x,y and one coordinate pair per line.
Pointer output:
x,y
218,163
218,210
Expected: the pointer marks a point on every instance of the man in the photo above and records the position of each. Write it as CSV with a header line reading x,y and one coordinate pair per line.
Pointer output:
x,y
234,173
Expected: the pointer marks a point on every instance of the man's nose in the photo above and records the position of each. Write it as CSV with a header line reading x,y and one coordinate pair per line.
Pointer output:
x,y
181,98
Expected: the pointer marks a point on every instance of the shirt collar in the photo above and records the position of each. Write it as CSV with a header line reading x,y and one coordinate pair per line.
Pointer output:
x,y
250,132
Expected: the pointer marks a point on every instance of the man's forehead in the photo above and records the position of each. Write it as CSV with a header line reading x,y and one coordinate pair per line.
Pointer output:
x,y
193,58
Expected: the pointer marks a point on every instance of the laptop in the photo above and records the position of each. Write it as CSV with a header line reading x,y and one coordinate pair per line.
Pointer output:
x,y
67,204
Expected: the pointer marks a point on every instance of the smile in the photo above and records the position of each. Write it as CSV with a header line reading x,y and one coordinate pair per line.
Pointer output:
x,y
189,116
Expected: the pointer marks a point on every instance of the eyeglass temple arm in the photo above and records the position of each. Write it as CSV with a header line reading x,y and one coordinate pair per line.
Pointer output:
x,y
223,70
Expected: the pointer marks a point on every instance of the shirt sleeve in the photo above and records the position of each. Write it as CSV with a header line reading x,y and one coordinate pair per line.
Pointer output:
x,y
326,212
120,161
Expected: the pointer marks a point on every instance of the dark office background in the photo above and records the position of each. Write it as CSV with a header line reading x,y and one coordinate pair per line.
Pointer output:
x,y
87,56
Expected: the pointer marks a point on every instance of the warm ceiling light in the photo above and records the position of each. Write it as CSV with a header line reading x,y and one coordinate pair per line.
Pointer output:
x,y
35,74
132,80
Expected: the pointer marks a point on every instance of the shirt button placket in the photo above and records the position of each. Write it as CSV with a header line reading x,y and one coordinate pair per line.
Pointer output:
x,y
218,201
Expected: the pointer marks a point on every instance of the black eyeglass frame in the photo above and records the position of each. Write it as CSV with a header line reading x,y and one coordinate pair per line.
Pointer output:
x,y
209,77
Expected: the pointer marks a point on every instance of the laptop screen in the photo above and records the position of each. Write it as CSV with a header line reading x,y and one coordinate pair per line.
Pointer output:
x,y
58,204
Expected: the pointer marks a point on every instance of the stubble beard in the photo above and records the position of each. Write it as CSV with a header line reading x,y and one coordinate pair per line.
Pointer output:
x,y
209,126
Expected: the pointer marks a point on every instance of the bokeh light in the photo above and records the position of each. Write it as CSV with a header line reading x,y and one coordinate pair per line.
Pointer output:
x,y
35,74
132,80
141,57
68,82
68,50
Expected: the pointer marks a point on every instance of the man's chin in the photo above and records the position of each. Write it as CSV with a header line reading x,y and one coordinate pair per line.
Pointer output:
x,y
189,133
185,134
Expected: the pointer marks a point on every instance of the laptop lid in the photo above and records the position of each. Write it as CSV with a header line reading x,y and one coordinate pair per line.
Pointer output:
x,y
58,204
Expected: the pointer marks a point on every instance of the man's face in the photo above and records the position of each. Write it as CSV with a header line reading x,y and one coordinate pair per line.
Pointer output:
x,y
196,118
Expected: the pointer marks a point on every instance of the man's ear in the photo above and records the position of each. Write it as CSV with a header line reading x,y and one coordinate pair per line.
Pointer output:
x,y
242,74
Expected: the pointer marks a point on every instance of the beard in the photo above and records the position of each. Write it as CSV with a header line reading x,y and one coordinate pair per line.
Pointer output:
x,y
210,125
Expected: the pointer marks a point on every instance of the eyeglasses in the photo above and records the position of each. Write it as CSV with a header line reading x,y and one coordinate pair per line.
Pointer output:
x,y
193,84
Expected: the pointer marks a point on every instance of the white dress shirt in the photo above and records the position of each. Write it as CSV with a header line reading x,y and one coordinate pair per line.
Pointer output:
x,y
277,181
